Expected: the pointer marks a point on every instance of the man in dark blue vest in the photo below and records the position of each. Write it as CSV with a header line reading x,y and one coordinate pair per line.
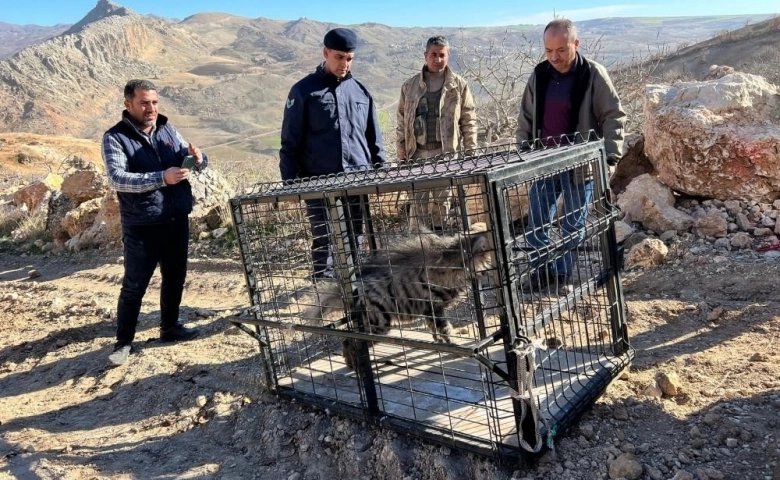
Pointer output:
x,y
143,154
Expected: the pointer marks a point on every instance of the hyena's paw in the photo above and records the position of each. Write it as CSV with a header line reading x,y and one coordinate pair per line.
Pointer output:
x,y
349,351
441,330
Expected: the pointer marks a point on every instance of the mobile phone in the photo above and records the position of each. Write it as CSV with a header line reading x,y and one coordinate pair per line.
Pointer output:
x,y
189,162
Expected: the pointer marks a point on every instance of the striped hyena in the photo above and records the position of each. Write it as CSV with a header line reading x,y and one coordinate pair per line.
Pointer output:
x,y
414,277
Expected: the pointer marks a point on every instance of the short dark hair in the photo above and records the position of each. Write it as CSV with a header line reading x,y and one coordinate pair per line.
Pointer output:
x,y
438,40
563,25
137,84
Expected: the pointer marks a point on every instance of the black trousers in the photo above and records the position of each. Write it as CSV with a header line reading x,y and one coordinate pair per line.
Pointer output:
x,y
145,247
316,211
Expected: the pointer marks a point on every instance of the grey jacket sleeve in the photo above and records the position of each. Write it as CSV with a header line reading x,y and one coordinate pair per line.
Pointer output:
x,y
609,113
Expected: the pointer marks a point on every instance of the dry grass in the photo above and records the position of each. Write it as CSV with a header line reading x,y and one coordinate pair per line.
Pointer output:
x,y
29,227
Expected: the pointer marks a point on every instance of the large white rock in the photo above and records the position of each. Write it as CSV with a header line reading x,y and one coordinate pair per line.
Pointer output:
x,y
718,138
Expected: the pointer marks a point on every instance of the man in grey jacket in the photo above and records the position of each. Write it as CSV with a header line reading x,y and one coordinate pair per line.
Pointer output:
x,y
565,95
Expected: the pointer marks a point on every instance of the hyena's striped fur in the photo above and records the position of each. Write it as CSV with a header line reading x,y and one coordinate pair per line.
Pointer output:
x,y
415,277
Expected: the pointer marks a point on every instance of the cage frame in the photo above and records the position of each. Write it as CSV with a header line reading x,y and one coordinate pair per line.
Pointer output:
x,y
494,178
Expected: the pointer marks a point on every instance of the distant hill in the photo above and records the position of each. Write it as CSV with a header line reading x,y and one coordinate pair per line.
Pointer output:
x,y
14,38
751,48
223,79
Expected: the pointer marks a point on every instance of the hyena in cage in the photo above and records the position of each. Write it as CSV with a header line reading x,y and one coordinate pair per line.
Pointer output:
x,y
415,277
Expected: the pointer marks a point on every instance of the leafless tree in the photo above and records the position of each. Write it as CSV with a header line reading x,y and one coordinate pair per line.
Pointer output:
x,y
497,74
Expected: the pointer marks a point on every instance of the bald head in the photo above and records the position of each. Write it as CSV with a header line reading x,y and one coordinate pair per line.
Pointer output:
x,y
560,44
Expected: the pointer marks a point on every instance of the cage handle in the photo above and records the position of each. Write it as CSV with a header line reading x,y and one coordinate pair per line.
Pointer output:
x,y
525,395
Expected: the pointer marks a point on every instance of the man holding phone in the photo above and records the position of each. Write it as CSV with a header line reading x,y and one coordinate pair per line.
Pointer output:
x,y
148,164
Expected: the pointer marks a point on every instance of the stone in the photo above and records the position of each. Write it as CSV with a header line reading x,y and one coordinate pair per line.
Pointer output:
x,y
662,218
669,383
743,222
648,252
734,207
219,232
211,193
741,240
653,391
723,243
682,475
81,217
634,239
715,138
625,466
33,195
642,188
620,413
86,183
622,231
711,226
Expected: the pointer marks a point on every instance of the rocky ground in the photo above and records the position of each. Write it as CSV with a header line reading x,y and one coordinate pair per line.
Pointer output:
x,y
705,322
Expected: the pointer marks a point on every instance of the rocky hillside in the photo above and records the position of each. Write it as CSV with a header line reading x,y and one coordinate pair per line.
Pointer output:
x,y
223,78
66,85
751,48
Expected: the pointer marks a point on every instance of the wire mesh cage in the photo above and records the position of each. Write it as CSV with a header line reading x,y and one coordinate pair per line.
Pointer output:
x,y
474,301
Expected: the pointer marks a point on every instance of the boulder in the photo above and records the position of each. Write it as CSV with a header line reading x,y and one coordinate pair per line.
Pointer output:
x,y
642,188
106,228
712,225
84,184
80,218
32,195
662,218
59,206
211,194
717,138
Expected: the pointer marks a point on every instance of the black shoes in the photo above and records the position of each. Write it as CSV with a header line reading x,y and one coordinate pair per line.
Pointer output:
x,y
178,333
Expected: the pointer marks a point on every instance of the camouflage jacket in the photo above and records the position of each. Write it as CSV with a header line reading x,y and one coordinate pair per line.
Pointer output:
x,y
458,119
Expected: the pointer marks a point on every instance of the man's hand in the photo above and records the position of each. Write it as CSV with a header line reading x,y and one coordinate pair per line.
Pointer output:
x,y
195,152
174,175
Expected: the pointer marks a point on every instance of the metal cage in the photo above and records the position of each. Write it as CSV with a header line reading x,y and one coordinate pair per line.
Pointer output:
x,y
434,308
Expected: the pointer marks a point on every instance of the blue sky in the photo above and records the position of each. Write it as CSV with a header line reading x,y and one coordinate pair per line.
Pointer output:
x,y
448,13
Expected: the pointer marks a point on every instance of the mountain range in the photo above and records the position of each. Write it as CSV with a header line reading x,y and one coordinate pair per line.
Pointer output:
x,y
223,79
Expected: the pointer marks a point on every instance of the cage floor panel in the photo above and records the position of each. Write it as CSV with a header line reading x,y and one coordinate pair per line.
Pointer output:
x,y
448,392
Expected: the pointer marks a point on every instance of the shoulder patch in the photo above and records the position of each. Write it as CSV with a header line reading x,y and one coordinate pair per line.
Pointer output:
x,y
290,102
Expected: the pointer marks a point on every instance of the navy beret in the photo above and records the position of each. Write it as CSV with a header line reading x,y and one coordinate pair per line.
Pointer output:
x,y
341,39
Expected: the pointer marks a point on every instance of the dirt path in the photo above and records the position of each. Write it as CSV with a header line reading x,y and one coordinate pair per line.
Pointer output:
x,y
199,410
